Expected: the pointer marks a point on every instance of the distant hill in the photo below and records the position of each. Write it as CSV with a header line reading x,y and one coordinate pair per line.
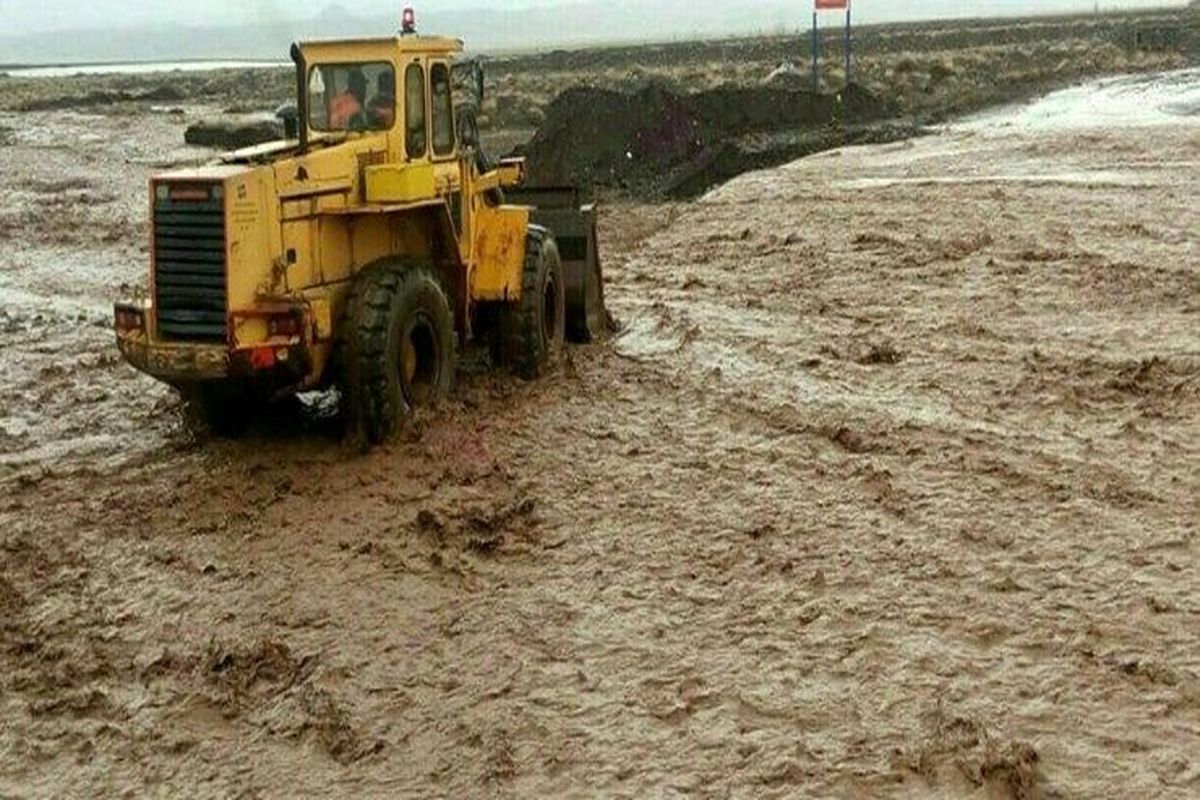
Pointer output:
x,y
583,23
492,29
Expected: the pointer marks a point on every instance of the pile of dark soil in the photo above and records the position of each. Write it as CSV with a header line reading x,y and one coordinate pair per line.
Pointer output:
x,y
656,142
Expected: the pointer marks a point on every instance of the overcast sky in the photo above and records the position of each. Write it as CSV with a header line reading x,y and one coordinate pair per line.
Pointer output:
x,y
31,16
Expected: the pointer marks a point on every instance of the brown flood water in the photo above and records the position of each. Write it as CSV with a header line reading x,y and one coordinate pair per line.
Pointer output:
x,y
890,486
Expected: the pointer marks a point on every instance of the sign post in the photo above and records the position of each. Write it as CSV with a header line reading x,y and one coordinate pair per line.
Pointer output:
x,y
828,5
816,50
849,44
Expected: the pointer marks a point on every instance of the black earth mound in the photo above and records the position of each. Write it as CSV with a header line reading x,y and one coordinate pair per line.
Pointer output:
x,y
656,142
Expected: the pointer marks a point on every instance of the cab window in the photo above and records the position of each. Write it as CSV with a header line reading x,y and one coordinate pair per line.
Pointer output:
x,y
443,110
414,111
352,97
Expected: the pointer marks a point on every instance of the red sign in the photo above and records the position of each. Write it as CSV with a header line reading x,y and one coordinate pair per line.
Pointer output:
x,y
832,5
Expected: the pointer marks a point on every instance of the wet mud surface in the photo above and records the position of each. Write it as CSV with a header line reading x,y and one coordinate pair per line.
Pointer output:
x,y
889,486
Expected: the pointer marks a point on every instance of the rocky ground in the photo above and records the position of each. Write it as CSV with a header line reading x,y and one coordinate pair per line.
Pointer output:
x,y
889,486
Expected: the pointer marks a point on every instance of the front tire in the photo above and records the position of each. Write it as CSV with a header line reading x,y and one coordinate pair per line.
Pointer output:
x,y
535,329
399,349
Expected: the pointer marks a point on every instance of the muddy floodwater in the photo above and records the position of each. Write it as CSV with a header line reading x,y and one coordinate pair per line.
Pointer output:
x,y
888,487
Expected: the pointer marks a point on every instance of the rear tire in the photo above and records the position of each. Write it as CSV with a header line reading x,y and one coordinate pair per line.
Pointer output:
x,y
397,348
535,327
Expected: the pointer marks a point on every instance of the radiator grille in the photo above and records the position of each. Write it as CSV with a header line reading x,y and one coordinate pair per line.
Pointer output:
x,y
189,270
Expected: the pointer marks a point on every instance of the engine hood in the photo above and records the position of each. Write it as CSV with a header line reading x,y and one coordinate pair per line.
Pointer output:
x,y
269,151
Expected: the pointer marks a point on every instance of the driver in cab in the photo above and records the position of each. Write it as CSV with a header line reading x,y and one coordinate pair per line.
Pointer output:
x,y
346,112
383,104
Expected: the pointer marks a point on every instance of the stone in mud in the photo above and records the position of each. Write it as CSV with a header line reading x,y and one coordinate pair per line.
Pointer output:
x,y
233,133
162,94
788,76
881,353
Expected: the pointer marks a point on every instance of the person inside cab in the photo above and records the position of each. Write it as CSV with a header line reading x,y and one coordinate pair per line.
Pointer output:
x,y
347,111
383,105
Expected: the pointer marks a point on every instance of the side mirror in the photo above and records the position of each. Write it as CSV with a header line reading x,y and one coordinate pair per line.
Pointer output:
x,y
290,117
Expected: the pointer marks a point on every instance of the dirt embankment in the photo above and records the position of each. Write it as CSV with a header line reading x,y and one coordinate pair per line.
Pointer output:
x,y
231,90
676,124
656,142
103,98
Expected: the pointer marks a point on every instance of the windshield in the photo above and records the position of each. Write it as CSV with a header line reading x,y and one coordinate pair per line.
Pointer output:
x,y
352,97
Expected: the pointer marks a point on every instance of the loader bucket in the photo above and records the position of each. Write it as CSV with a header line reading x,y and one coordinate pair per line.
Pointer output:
x,y
557,209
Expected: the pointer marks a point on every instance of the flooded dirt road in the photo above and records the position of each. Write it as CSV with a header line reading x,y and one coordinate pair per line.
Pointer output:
x,y
890,486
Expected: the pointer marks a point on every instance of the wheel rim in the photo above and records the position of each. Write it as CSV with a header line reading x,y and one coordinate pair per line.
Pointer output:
x,y
549,308
419,361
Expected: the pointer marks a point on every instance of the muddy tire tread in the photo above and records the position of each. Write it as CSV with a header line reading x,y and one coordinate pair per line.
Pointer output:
x,y
371,410
528,353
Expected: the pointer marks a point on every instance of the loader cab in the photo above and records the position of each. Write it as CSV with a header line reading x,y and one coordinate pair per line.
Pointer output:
x,y
398,89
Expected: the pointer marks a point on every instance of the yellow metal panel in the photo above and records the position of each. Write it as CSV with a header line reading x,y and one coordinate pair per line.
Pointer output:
x,y
512,171
248,239
249,331
322,315
328,171
500,252
447,176
400,183
377,49
370,240
335,248
298,238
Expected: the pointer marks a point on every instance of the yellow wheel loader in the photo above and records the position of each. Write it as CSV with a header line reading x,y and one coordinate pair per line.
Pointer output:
x,y
361,251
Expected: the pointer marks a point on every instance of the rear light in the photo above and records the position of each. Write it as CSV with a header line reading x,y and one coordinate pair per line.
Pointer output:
x,y
262,357
265,358
284,325
189,192
130,319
